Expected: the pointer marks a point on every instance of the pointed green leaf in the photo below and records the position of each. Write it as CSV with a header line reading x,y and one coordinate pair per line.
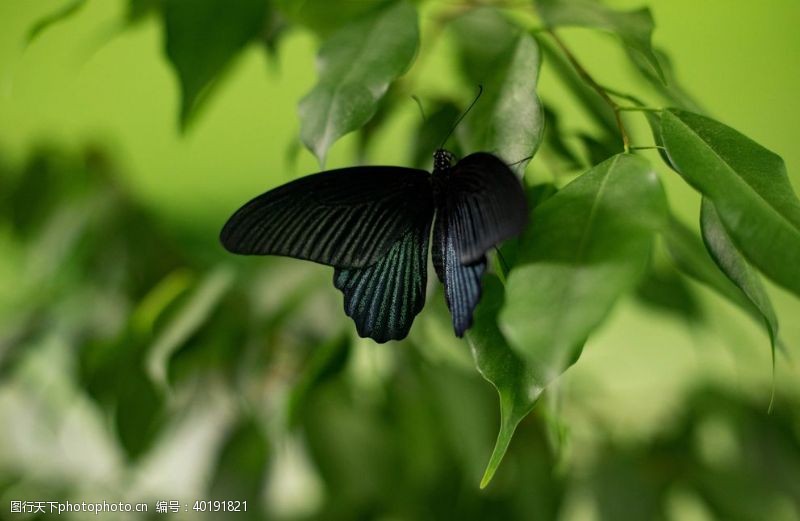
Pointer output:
x,y
515,381
731,262
356,65
748,186
585,247
202,39
634,28
508,121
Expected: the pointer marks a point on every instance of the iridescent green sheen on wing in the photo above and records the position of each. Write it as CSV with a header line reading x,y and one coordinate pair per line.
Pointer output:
x,y
384,298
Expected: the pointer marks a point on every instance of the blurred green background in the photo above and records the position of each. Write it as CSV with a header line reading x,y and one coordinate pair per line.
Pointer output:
x,y
139,362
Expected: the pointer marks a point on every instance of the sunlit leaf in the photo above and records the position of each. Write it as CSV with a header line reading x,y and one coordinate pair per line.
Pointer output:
x,y
748,186
731,262
355,67
585,247
634,28
202,39
515,381
508,121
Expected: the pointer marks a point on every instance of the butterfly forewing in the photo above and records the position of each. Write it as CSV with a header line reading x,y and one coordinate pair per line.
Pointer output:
x,y
485,204
384,298
346,218
462,282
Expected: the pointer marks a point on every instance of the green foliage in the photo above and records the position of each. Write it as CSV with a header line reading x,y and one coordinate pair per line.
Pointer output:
x,y
356,65
149,320
586,246
734,265
634,28
748,186
508,121
203,37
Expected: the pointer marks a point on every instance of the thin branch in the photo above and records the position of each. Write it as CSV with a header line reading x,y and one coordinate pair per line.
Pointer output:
x,y
583,73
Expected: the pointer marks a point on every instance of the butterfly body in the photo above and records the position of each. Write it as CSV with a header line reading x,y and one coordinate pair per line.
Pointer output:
x,y
373,225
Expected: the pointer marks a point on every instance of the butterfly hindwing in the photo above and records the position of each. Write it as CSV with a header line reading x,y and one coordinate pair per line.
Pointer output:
x,y
462,282
346,218
485,204
384,298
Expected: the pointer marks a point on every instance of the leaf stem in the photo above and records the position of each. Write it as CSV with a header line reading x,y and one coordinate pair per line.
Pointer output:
x,y
638,109
604,94
654,147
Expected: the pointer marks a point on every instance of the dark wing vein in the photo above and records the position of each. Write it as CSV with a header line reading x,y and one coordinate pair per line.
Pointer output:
x,y
384,298
346,218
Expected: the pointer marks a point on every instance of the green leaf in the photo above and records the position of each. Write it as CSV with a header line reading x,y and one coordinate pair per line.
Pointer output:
x,y
634,28
326,361
691,257
555,145
509,120
748,186
241,466
324,16
670,89
140,412
196,310
356,66
514,379
585,247
731,262
202,39
67,10
138,10
664,288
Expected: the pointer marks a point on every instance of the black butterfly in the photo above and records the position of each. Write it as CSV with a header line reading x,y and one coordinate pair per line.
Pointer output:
x,y
372,225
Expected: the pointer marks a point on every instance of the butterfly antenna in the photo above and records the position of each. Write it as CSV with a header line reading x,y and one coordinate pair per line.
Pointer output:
x,y
419,106
480,91
515,163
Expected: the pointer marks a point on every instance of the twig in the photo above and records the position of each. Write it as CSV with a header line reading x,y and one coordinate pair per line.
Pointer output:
x,y
583,73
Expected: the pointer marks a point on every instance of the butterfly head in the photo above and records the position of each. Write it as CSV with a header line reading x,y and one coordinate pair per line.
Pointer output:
x,y
442,160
